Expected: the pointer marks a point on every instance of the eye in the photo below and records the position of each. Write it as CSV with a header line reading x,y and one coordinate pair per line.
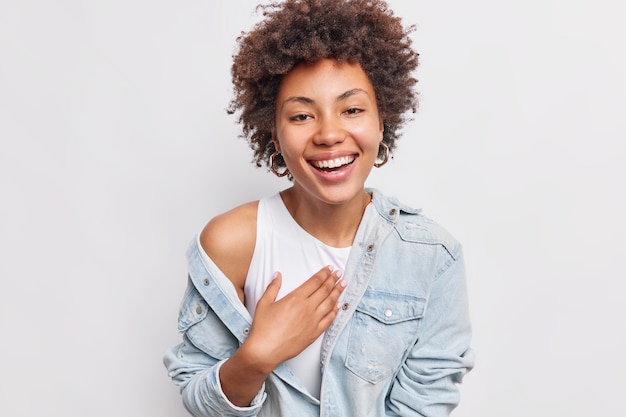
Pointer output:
x,y
300,117
353,110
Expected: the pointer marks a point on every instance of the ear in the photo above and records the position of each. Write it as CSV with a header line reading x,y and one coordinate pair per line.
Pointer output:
x,y
381,127
275,140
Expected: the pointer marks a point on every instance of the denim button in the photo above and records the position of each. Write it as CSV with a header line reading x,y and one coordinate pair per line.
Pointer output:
x,y
370,247
388,313
199,310
206,282
246,331
392,212
345,306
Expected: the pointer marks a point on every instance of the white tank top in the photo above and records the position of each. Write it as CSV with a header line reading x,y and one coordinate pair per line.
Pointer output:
x,y
282,245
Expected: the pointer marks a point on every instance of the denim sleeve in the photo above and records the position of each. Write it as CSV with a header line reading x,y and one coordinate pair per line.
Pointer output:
x,y
427,383
195,363
197,375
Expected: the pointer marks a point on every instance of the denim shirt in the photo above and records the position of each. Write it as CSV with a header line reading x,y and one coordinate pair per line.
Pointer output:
x,y
398,347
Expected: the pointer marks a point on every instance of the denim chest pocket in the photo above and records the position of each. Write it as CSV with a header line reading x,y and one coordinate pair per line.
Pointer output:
x,y
203,327
193,308
383,327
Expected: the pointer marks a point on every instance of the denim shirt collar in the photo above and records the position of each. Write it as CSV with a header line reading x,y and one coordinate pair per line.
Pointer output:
x,y
389,208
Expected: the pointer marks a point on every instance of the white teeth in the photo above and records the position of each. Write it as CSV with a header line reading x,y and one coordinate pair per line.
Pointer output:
x,y
334,163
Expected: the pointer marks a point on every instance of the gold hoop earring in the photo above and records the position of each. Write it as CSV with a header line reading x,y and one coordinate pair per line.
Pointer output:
x,y
273,167
385,155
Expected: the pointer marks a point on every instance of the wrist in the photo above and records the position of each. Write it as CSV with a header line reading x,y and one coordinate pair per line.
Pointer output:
x,y
256,359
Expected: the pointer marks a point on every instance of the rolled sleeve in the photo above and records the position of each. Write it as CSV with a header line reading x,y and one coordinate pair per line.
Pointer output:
x,y
197,375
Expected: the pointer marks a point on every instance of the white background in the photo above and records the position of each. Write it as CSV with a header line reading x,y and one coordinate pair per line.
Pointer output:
x,y
116,149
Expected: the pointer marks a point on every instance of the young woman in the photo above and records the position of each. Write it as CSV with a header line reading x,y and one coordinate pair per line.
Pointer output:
x,y
327,298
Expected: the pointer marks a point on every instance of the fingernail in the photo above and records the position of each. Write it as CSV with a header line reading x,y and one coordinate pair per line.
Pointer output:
x,y
343,283
275,275
331,268
339,305
339,273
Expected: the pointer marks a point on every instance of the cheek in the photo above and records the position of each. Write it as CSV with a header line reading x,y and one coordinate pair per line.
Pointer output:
x,y
290,146
369,139
370,128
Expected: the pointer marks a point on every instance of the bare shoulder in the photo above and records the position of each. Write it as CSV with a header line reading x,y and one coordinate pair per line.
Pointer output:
x,y
229,240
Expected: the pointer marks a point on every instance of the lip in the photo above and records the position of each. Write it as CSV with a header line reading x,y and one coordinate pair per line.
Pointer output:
x,y
333,162
338,165
328,156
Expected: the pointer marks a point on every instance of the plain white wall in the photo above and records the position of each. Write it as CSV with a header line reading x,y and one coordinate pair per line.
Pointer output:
x,y
115,150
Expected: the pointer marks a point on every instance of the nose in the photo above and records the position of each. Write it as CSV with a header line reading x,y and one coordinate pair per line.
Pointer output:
x,y
329,131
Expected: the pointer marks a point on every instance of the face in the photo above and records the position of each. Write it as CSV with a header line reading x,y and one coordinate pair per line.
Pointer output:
x,y
328,129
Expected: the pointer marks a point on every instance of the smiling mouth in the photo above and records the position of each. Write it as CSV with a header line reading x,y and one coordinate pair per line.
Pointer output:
x,y
333,164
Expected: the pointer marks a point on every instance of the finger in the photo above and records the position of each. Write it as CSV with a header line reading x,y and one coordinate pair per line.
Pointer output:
x,y
271,292
328,286
311,285
329,317
329,303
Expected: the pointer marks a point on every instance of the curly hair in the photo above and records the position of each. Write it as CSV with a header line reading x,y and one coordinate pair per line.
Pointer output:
x,y
295,31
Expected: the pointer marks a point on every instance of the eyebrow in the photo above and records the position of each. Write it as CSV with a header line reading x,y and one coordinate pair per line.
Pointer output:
x,y
342,96
299,99
351,93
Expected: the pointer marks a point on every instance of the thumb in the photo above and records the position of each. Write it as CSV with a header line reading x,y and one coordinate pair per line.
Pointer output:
x,y
271,292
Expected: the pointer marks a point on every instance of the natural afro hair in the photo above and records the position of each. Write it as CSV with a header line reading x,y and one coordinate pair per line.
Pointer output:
x,y
295,31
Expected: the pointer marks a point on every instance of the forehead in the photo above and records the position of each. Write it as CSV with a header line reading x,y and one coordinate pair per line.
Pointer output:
x,y
322,78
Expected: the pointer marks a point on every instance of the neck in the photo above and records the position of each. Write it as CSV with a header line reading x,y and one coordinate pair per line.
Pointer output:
x,y
333,224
